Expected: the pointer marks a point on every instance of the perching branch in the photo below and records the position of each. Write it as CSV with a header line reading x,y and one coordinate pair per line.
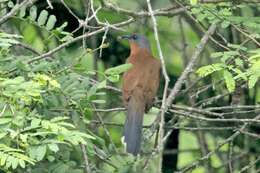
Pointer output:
x,y
189,68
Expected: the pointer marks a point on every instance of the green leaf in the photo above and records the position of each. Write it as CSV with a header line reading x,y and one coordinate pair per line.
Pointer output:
x,y
90,149
255,66
59,119
92,91
225,24
239,62
5,120
113,78
33,13
50,158
3,134
102,84
118,69
67,38
35,122
193,2
42,17
99,101
104,45
255,51
207,70
256,55
61,28
51,22
113,73
22,66
10,4
14,161
252,80
61,168
231,53
237,46
216,54
22,11
22,163
240,74
201,17
101,93
229,80
53,147
38,152
91,72
3,159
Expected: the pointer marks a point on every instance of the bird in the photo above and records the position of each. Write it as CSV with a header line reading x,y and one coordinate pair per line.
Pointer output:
x,y
139,88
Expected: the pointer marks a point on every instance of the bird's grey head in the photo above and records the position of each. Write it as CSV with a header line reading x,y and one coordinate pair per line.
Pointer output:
x,y
138,39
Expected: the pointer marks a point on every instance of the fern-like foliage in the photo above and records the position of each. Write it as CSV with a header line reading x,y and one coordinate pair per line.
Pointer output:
x,y
45,21
209,69
33,130
33,133
12,157
233,67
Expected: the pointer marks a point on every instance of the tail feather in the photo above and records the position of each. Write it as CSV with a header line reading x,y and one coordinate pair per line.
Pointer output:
x,y
133,126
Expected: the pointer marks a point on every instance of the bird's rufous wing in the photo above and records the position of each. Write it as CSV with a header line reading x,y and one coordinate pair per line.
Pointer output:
x,y
152,83
131,80
144,77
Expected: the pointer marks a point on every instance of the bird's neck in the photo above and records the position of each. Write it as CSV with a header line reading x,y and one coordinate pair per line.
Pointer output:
x,y
135,49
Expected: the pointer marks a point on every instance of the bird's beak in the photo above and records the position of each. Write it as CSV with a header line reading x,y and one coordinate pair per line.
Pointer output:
x,y
125,37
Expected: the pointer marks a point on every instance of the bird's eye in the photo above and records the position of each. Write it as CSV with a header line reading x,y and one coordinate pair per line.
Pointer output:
x,y
134,37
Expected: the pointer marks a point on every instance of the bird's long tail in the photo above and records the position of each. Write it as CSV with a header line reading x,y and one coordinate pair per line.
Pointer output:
x,y
133,125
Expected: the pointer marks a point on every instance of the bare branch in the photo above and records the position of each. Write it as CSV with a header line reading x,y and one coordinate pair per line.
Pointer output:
x,y
189,67
166,77
232,137
51,52
169,11
85,157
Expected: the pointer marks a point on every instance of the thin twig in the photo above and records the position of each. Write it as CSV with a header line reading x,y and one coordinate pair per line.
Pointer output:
x,y
25,46
169,11
49,4
51,52
249,165
231,138
189,67
166,77
103,41
85,157
199,118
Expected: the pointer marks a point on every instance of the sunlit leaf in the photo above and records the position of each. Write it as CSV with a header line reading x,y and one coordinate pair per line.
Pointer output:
x,y
229,80
118,69
193,2
42,17
51,22
252,80
207,70
33,13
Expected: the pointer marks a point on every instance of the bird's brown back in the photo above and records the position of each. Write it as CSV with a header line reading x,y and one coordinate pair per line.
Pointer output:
x,y
142,80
